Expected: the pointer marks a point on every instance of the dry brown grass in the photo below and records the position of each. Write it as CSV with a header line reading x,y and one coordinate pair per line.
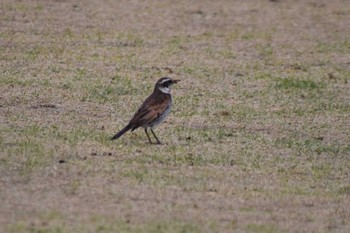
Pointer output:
x,y
258,140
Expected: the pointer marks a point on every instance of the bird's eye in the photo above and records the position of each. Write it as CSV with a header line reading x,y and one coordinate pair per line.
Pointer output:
x,y
166,84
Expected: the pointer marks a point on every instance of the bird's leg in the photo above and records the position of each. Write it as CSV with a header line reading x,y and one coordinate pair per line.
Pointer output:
x,y
155,136
149,139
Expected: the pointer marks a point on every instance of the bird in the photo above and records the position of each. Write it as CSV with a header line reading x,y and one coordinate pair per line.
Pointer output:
x,y
153,111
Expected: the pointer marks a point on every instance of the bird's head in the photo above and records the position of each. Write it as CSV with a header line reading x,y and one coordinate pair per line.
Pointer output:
x,y
164,84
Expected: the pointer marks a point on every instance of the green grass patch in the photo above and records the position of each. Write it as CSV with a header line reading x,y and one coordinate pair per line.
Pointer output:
x,y
263,228
293,83
344,190
111,226
342,47
311,145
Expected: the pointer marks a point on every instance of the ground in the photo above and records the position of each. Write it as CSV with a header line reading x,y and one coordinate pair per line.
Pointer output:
x,y
258,139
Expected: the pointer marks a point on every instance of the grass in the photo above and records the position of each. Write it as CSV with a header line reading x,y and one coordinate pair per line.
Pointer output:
x,y
117,226
262,228
258,139
291,83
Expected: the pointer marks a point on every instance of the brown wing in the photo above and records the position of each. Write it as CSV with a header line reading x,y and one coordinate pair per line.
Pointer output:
x,y
151,108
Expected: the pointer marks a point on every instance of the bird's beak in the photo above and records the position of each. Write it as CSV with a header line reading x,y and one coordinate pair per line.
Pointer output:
x,y
176,80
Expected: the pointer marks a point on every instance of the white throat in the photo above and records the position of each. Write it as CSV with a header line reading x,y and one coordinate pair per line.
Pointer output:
x,y
165,90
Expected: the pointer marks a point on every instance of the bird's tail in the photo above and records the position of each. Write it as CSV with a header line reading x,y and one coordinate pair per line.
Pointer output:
x,y
121,132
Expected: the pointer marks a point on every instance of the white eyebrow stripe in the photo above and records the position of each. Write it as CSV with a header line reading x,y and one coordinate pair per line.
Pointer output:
x,y
165,80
